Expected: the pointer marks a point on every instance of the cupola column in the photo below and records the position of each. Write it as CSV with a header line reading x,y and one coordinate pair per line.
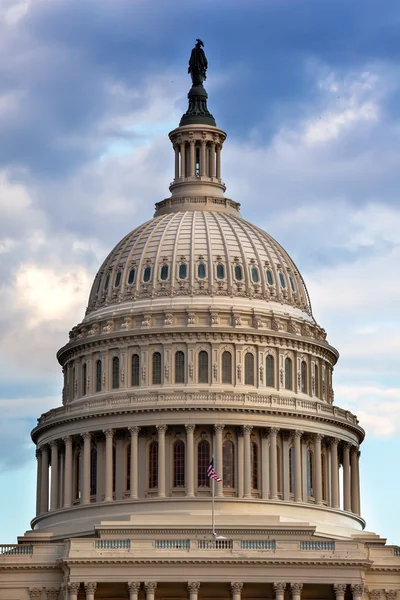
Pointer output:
x,y
44,493
354,480
335,473
218,456
212,159
218,159
318,469
193,590
358,591
68,472
274,463
192,155
236,590
161,429
296,589
358,484
176,149
340,590
150,588
109,433
73,589
134,431
190,460
183,165
133,589
346,477
38,478
54,475
247,429
279,589
85,499
203,154
90,589
297,466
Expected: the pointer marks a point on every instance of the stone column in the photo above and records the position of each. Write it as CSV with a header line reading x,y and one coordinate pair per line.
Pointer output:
x,y
285,435
109,433
297,465
265,464
54,475
150,589
354,479
193,589
247,429
340,590
133,589
274,463
90,589
240,440
85,498
38,480
176,148
218,150
192,157
73,589
212,159
161,460
358,484
44,491
295,589
318,469
357,590
218,459
279,589
68,471
334,473
346,477
190,460
134,431
183,160
236,590
203,154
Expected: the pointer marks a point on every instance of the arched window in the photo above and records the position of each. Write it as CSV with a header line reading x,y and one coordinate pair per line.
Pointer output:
x,y
156,370
146,274
179,367
128,467
323,481
316,380
254,465
182,271
117,281
201,271
226,367
288,374
107,283
135,369
203,460
179,464
93,472
203,366
238,273
84,378
304,377
310,473
131,276
153,465
164,273
291,283
270,279
249,369
98,375
291,470
270,371
254,275
115,372
228,460
220,271
282,280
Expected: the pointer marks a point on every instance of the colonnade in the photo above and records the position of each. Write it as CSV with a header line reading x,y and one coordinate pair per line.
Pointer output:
x,y
193,589
197,158
281,467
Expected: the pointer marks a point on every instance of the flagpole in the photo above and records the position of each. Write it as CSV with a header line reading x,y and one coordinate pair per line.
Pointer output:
x,y
212,506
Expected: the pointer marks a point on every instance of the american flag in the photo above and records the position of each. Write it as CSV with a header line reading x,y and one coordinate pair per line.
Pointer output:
x,y
211,471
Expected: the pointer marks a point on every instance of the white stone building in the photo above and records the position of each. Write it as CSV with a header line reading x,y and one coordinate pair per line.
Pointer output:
x,y
199,340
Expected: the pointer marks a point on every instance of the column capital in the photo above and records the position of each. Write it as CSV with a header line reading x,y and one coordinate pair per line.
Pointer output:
x,y
52,593
318,437
298,433
135,430
53,443
38,454
109,433
346,445
193,587
44,448
335,442
236,587
67,440
190,428
133,586
274,430
279,587
219,428
357,589
296,588
339,588
73,587
90,587
150,586
35,593
86,436
391,594
247,429
162,428
354,449
375,594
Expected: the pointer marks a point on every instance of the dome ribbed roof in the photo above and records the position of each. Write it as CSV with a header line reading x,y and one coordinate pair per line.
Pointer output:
x,y
198,253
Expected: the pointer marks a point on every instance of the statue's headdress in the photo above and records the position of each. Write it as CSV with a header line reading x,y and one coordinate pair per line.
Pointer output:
x,y
200,42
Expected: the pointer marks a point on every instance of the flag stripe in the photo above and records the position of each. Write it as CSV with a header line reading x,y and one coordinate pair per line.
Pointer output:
x,y
211,472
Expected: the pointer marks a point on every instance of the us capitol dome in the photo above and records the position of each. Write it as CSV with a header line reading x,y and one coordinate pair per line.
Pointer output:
x,y
199,350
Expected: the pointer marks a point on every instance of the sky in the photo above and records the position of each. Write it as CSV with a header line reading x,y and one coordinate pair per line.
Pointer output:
x,y
308,92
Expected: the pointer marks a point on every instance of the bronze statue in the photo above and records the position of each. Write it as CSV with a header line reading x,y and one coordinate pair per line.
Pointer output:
x,y
198,64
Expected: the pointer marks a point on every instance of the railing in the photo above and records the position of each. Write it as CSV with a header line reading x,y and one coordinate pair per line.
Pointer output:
x,y
16,549
396,551
112,544
258,545
215,544
172,544
317,545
